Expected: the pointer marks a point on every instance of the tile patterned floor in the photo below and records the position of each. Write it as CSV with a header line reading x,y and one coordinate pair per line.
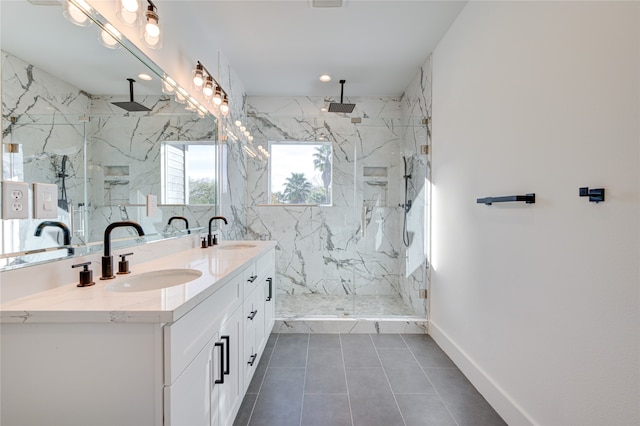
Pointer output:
x,y
360,380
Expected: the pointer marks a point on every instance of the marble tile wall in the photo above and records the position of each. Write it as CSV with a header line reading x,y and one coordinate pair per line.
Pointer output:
x,y
347,248
49,128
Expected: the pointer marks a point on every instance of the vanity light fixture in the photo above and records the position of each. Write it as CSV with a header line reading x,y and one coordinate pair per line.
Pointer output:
x,y
204,80
207,87
74,11
151,28
127,11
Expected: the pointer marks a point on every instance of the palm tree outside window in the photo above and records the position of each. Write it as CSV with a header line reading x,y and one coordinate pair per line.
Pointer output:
x,y
300,173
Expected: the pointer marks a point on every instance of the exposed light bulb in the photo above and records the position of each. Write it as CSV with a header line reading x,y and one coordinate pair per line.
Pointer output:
x,y
217,97
108,40
152,29
207,89
130,5
242,128
238,123
224,107
198,76
151,34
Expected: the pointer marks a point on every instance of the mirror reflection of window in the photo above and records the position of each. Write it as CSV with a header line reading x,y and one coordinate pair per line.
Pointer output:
x,y
188,173
300,173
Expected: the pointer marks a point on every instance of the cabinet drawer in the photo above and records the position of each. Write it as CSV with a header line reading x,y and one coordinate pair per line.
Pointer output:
x,y
184,338
250,278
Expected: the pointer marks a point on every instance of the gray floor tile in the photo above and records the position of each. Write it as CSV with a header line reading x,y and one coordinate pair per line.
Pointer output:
x,y
279,402
424,410
244,413
388,341
326,410
372,403
324,357
358,351
325,380
466,404
409,380
427,352
324,340
258,376
397,358
290,350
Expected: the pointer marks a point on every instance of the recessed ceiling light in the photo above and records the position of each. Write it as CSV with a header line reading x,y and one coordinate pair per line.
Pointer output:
x,y
325,78
144,77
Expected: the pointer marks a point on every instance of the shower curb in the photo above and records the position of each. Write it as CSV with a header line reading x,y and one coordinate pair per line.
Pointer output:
x,y
324,325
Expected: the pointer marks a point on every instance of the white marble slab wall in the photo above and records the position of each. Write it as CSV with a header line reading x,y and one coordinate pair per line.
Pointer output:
x,y
233,194
49,126
324,249
416,106
132,142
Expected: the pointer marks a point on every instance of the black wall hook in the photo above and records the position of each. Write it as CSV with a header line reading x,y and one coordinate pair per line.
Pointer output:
x,y
595,195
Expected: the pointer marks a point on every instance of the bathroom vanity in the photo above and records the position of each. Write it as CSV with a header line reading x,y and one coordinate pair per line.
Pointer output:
x,y
109,354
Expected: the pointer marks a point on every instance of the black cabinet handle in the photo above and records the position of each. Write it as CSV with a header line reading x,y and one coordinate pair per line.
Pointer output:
x,y
221,380
252,315
270,281
252,359
253,278
227,369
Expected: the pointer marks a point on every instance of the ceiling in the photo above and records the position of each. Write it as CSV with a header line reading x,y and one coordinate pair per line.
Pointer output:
x,y
277,48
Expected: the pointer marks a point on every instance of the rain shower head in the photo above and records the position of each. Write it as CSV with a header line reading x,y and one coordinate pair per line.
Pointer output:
x,y
131,106
341,107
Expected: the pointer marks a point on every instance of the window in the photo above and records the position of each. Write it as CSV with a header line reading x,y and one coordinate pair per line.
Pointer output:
x,y
188,173
300,172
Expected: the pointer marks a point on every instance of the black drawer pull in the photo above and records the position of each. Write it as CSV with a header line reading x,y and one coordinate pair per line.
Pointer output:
x,y
221,380
253,278
270,296
228,354
253,315
252,359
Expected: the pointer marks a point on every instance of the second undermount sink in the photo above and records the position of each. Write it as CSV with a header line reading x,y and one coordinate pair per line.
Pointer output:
x,y
236,246
153,280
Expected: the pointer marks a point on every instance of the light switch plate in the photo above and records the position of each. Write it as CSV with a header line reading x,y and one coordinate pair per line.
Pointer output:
x,y
152,205
45,201
15,200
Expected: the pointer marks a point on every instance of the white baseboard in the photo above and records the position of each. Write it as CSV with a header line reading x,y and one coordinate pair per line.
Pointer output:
x,y
508,409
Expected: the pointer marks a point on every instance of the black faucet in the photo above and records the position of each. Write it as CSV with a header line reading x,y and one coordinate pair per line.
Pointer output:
x,y
186,222
65,233
107,259
210,241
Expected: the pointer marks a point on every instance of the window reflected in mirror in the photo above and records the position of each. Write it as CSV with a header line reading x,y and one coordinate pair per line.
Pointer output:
x,y
189,173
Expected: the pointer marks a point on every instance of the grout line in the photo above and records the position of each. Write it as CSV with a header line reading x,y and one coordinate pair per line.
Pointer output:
x,y
304,381
384,371
346,382
263,377
427,376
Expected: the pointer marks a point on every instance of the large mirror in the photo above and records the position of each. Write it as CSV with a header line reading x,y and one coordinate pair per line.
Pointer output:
x,y
60,126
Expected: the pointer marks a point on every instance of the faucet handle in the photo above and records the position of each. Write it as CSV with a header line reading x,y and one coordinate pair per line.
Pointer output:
x,y
123,265
86,275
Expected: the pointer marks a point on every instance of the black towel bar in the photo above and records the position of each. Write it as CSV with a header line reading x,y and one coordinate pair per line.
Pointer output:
x,y
527,198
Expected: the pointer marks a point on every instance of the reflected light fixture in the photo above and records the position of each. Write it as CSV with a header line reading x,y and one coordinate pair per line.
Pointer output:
x,y
74,11
151,29
127,11
143,76
168,85
109,37
238,123
181,95
224,107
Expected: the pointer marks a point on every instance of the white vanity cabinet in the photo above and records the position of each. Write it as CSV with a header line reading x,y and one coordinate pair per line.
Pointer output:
x,y
86,356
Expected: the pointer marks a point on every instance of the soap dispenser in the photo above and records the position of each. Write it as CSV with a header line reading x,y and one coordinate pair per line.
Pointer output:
x,y
86,275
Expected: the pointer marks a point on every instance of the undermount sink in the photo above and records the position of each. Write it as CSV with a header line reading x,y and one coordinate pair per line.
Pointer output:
x,y
238,246
153,280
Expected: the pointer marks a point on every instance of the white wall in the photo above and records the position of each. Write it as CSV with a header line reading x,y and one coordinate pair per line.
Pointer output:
x,y
539,304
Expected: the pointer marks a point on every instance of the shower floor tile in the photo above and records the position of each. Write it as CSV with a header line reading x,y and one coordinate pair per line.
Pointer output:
x,y
323,305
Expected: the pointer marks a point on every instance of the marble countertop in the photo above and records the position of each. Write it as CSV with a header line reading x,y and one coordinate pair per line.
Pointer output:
x,y
69,303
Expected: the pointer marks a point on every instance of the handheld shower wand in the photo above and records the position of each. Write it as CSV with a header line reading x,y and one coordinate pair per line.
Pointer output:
x,y
406,205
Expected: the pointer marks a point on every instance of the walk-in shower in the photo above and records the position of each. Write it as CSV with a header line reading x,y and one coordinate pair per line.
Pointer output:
x,y
362,256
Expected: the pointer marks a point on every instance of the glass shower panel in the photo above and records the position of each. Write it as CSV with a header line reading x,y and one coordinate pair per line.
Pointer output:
x,y
45,149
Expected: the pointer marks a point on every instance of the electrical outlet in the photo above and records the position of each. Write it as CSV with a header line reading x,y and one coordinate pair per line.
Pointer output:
x,y
15,200
45,201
